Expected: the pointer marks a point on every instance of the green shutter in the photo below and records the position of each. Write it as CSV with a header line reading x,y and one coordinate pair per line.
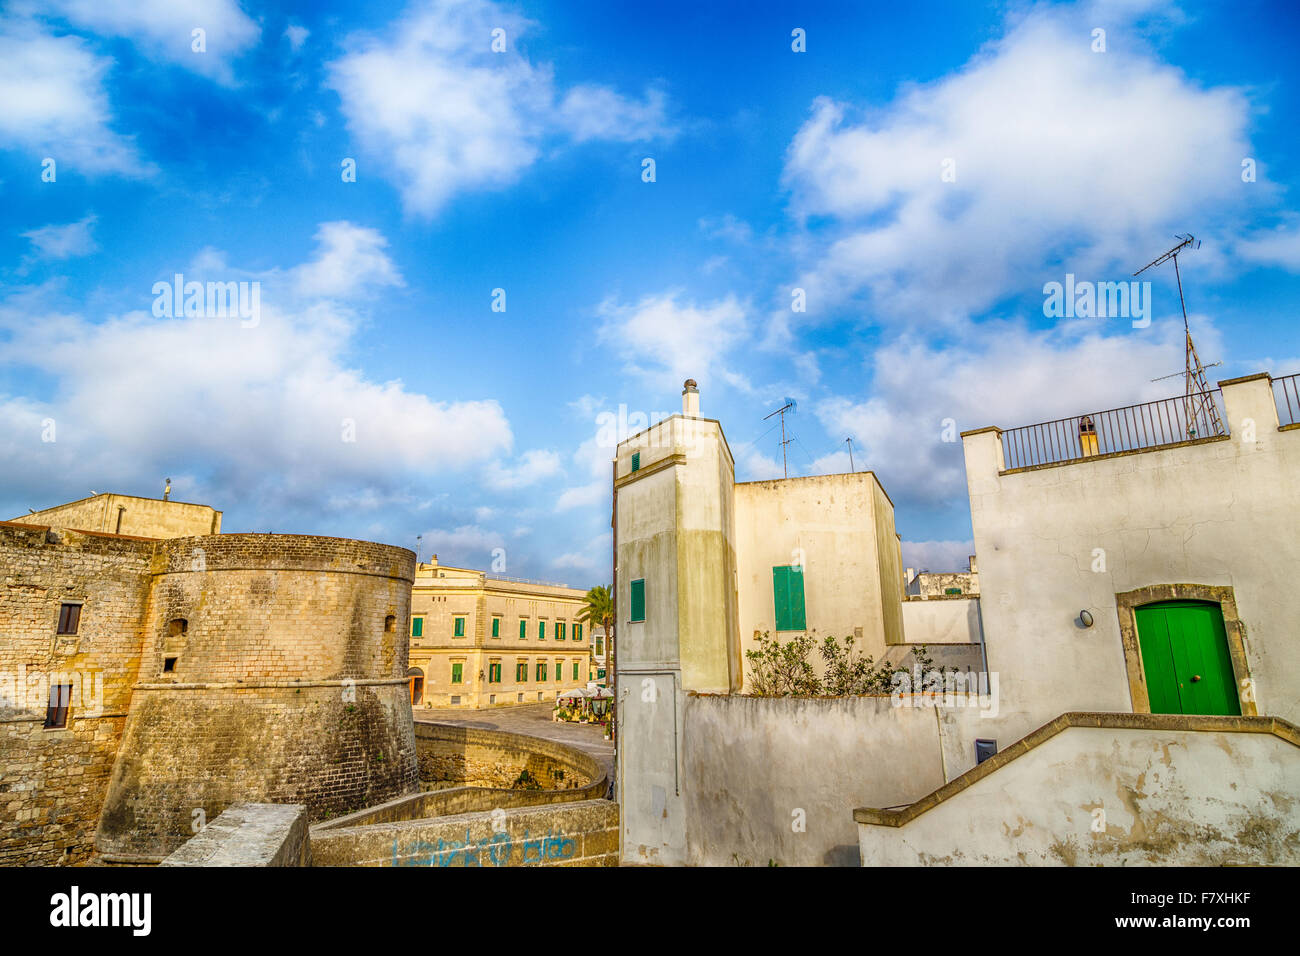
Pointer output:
x,y
541,630
455,673
559,630
577,632
636,461
496,627
575,670
417,627
638,600
459,627
523,629
787,598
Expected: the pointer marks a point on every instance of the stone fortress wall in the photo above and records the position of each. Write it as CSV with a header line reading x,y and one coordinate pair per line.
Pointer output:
x,y
243,667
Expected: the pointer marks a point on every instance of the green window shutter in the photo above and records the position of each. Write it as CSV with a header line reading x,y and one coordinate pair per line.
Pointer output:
x,y
496,627
638,600
787,598
781,597
541,671
459,627
541,630
523,629
455,673
797,616
577,632
417,627
636,461
575,670
521,672
559,631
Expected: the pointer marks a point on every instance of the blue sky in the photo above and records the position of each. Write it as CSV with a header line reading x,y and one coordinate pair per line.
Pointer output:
x,y
522,170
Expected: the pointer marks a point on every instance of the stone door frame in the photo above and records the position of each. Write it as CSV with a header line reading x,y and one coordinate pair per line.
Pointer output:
x,y
1126,605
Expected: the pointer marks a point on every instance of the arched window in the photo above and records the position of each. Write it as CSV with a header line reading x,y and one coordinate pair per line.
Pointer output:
x,y
390,624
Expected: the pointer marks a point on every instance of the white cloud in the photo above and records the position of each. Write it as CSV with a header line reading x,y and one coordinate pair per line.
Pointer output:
x,y
671,341
597,112
592,459
64,242
350,259
938,555
441,113
464,546
265,413
53,103
1280,247
297,35
531,467
1060,155
1001,373
163,29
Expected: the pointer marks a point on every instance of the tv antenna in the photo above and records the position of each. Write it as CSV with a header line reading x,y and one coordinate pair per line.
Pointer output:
x,y
1198,403
850,443
789,406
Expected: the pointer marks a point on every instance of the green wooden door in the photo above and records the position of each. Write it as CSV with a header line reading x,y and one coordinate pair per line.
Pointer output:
x,y
1185,658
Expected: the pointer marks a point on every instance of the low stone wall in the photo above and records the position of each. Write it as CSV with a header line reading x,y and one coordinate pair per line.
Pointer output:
x,y
496,759
584,833
249,834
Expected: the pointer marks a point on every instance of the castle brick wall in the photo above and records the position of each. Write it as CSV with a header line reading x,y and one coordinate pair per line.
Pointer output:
x,y
53,781
286,683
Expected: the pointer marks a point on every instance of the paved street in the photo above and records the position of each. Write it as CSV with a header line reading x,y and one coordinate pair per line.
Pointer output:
x,y
533,719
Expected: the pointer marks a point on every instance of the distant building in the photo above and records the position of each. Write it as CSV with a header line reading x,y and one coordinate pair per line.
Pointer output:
x,y
599,655
128,514
930,584
482,640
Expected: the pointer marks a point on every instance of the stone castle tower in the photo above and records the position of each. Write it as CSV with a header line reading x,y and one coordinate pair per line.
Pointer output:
x,y
227,667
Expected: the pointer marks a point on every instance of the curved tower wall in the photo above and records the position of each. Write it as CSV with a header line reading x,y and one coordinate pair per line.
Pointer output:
x,y
273,669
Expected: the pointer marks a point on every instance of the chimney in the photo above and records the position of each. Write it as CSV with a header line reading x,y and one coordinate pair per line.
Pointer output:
x,y
690,399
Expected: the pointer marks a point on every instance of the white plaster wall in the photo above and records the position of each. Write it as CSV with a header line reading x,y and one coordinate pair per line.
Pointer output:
x,y
830,521
1220,513
1102,796
751,763
942,621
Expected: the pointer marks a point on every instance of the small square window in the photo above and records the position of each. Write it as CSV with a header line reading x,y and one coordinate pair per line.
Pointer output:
x,y
169,665
455,701
984,749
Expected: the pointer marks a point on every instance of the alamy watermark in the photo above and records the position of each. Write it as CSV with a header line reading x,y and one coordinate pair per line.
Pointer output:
x,y
217,300
1101,300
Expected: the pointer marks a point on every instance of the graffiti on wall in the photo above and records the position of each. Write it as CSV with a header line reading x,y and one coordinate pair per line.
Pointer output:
x,y
494,850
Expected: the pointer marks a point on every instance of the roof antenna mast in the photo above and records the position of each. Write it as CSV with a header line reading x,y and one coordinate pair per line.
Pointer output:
x,y
1198,402
787,407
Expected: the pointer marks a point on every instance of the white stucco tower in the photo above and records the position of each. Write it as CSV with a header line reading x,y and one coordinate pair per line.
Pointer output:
x,y
678,630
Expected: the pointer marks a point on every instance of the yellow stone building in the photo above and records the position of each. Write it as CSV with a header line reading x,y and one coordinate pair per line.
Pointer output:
x,y
480,640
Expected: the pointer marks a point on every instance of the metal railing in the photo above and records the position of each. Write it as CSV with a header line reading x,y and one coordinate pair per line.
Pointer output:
x,y
1286,392
1166,421
493,576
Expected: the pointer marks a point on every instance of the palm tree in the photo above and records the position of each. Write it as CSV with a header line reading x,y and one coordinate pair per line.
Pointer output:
x,y
598,611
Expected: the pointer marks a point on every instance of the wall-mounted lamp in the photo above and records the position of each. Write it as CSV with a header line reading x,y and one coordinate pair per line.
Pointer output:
x,y
1085,618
